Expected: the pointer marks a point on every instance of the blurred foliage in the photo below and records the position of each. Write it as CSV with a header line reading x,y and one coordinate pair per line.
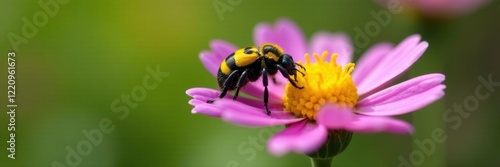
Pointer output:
x,y
93,52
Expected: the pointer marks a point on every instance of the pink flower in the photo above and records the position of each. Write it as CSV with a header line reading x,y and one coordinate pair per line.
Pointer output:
x,y
332,99
440,8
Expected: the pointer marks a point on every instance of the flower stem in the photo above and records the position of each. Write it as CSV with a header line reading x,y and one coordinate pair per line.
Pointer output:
x,y
321,162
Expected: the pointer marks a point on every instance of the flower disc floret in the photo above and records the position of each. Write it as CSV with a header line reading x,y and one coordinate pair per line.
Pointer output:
x,y
324,81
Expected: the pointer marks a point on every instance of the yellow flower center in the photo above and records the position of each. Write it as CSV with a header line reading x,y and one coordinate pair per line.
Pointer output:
x,y
323,82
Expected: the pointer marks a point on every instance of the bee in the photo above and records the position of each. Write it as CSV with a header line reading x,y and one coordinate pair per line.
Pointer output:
x,y
250,63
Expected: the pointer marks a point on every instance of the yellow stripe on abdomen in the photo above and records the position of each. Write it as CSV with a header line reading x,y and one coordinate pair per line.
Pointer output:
x,y
242,60
224,68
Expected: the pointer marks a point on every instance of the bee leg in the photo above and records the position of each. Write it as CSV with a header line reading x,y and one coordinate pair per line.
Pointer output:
x,y
297,70
286,75
300,66
300,72
226,85
295,75
241,81
266,93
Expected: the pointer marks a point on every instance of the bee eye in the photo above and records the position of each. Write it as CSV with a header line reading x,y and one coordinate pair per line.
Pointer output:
x,y
248,52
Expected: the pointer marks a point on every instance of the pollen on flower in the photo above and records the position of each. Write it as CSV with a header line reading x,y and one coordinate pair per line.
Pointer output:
x,y
324,81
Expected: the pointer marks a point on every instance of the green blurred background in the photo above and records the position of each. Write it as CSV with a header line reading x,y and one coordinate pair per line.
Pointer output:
x,y
91,53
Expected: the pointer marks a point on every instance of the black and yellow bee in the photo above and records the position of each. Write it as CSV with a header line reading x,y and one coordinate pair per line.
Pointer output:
x,y
248,64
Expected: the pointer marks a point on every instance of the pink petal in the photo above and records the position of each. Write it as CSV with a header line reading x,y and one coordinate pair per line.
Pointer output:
x,y
241,114
334,117
371,124
201,95
195,102
395,62
369,61
207,109
285,34
199,101
405,97
202,92
299,137
333,43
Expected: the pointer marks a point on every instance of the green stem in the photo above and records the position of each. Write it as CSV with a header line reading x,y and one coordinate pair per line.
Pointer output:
x,y
321,162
